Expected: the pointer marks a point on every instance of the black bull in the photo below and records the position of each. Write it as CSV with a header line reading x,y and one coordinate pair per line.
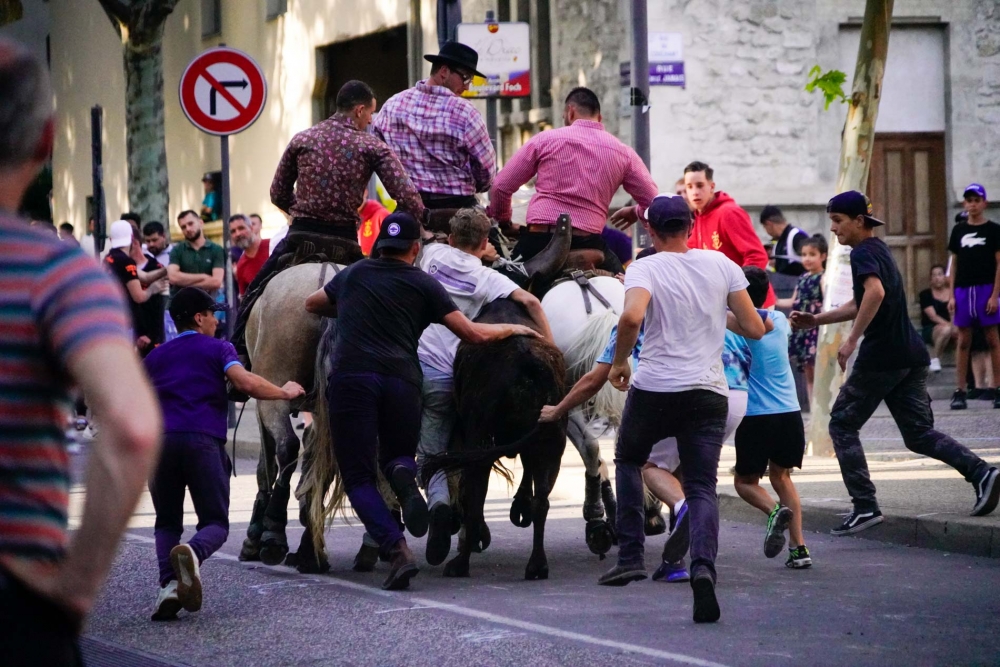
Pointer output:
x,y
500,389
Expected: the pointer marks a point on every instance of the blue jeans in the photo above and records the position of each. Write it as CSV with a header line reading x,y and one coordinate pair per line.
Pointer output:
x,y
198,462
697,418
437,422
375,423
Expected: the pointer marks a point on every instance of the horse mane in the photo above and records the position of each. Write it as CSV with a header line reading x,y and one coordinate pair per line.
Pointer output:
x,y
580,357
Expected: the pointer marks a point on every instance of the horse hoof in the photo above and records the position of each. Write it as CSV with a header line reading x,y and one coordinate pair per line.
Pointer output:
x,y
457,567
273,552
655,525
520,512
485,539
250,550
535,572
366,559
307,563
599,537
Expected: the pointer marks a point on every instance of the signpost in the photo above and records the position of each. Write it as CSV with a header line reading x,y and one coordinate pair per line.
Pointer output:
x,y
222,92
504,57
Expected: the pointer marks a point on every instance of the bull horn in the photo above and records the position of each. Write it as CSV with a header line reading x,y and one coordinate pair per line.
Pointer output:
x,y
549,261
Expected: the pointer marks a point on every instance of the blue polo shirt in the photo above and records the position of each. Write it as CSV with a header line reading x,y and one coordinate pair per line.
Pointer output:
x,y
189,375
772,386
608,355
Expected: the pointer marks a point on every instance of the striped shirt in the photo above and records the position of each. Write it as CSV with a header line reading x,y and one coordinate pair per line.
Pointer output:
x,y
579,168
55,302
440,138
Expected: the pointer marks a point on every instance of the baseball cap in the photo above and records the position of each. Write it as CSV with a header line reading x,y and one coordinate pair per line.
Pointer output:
x,y
398,231
976,189
668,213
121,234
190,301
853,203
207,177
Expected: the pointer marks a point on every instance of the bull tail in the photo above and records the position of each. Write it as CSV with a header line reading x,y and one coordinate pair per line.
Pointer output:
x,y
450,462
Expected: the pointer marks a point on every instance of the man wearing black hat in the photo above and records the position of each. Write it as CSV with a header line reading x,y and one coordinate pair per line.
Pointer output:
x,y
382,307
680,388
189,374
440,137
892,365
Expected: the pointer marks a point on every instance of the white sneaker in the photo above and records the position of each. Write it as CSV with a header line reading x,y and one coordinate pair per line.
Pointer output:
x,y
167,603
936,365
185,564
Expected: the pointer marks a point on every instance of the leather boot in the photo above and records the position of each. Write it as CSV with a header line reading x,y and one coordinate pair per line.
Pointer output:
x,y
403,567
549,261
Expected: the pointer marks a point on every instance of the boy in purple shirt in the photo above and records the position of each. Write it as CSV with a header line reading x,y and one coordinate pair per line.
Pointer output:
x,y
189,374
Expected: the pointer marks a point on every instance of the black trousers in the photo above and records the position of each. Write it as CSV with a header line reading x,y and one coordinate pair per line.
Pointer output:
x,y
33,630
530,244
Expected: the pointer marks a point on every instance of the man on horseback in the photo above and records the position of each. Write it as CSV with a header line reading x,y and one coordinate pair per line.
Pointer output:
x,y
320,182
578,169
382,307
459,269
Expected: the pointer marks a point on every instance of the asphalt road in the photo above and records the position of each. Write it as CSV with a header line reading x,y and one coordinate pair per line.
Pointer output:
x,y
863,603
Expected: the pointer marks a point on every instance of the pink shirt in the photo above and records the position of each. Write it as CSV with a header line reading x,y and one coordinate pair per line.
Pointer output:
x,y
579,169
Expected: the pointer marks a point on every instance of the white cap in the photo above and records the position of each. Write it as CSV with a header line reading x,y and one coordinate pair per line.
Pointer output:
x,y
120,234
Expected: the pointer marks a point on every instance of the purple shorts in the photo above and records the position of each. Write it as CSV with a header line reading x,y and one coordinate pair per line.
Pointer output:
x,y
970,307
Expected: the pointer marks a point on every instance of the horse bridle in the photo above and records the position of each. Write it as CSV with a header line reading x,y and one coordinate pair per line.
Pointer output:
x,y
586,288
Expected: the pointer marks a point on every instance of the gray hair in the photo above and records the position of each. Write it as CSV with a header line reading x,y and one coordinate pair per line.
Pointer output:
x,y
25,104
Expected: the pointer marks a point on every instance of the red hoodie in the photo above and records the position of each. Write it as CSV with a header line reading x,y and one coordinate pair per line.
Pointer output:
x,y
726,227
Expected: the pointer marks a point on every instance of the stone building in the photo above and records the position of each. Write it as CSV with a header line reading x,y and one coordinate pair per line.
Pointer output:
x,y
743,108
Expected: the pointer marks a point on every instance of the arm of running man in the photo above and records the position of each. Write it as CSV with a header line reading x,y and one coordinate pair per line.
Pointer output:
x,y
521,167
397,183
534,308
750,320
482,156
257,387
629,324
584,390
844,313
733,324
478,333
870,302
319,303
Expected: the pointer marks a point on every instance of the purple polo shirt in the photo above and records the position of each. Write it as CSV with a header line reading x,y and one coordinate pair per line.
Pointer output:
x,y
189,375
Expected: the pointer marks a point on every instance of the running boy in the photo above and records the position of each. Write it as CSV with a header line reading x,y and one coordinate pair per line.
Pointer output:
x,y
189,374
892,365
771,436
975,284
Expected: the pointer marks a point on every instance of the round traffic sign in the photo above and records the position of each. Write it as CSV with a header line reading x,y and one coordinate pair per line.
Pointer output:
x,y
222,91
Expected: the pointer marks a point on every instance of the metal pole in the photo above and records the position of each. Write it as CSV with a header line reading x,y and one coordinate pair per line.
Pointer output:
x,y
97,175
491,105
640,98
226,241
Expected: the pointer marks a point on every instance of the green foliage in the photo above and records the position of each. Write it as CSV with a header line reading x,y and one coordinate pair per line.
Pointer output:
x,y
830,84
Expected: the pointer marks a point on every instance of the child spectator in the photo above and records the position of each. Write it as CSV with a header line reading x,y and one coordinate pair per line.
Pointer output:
x,y
771,436
975,282
808,298
189,374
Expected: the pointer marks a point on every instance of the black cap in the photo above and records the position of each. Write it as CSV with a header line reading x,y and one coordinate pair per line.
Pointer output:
x,y
668,213
853,203
190,301
457,54
399,230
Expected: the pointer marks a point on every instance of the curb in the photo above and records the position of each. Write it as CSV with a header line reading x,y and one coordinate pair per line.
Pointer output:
x,y
951,533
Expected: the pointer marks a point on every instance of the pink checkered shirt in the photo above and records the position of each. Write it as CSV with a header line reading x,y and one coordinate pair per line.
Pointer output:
x,y
440,138
579,169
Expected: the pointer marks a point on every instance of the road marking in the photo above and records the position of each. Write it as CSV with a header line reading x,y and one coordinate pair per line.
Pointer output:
x,y
537,628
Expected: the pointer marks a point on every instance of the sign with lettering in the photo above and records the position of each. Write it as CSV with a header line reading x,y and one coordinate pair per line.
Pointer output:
x,y
504,57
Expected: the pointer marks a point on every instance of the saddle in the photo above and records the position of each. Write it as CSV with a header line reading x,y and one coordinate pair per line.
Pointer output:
x,y
307,248
582,278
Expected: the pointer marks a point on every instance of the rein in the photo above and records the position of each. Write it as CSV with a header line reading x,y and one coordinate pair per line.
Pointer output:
x,y
586,288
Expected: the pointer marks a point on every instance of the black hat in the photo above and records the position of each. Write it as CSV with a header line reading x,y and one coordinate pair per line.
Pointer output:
x,y
399,230
853,203
667,210
190,301
455,53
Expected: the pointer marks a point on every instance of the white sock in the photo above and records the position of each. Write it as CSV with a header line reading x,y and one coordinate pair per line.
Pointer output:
x,y
677,506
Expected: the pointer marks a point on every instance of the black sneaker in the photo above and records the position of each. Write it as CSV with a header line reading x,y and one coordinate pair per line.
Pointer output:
x,y
857,521
777,524
413,505
996,398
439,534
706,606
679,540
958,400
799,558
987,493
622,575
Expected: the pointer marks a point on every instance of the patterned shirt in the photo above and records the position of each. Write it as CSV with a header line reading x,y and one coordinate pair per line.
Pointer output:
x,y
440,138
330,165
579,169
56,302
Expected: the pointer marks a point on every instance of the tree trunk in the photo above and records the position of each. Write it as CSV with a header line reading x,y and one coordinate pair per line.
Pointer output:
x,y
148,187
141,23
855,157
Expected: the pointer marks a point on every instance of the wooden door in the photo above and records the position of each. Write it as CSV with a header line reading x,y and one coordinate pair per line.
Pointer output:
x,y
906,185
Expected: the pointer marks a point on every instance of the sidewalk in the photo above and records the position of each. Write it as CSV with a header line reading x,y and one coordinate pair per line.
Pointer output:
x,y
925,503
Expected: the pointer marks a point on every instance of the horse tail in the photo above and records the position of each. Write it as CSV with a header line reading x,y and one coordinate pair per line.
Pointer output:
x,y
451,462
321,484
580,357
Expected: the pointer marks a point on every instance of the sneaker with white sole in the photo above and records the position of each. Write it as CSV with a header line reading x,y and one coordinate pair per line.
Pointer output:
x,y
798,558
857,521
185,564
167,603
987,493
935,365
777,524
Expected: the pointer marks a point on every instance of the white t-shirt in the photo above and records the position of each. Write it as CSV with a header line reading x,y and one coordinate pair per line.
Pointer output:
x,y
470,285
685,319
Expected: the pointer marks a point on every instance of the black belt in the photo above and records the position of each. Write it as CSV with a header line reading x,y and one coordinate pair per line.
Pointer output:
x,y
437,201
317,226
